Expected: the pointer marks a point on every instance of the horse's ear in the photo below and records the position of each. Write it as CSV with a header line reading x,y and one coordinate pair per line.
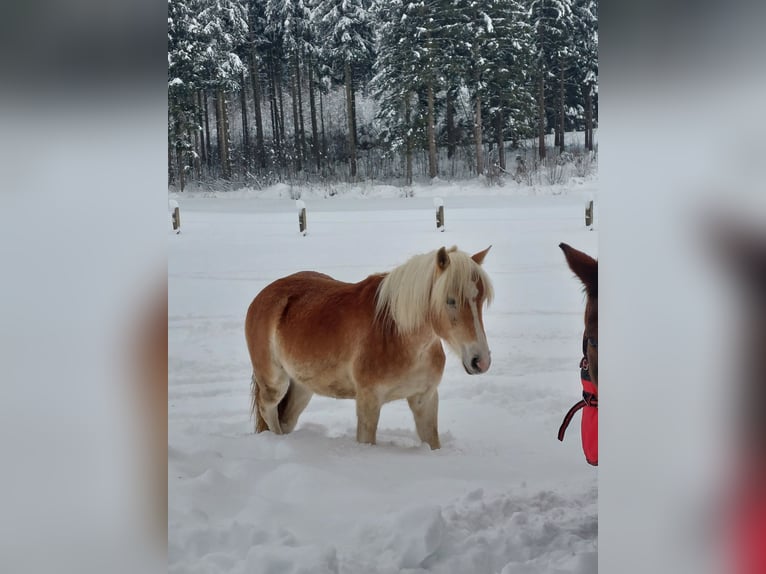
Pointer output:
x,y
442,259
479,257
584,266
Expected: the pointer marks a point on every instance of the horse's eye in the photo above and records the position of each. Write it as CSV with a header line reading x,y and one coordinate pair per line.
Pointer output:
x,y
451,302
593,342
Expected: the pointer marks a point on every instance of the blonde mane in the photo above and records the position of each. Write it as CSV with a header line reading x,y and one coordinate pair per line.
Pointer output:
x,y
413,293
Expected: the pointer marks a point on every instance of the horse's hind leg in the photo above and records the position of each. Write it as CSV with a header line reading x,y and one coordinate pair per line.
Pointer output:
x,y
260,423
292,405
425,409
269,392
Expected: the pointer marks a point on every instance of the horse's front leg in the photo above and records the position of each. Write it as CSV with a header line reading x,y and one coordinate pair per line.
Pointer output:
x,y
425,409
367,415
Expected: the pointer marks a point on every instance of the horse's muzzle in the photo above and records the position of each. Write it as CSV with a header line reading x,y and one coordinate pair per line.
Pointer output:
x,y
477,365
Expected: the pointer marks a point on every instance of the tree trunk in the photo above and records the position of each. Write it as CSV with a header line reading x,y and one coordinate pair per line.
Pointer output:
x,y
193,132
351,122
279,114
321,119
274,111
197,166
499,138
296,126
189,152
255,80
208,154
561,105
450,125
201,130
180,151
226,134
312,105
478,136
282,136
299,89
432,166
408,142
245,131
223,134
588,118
171,175
353,115
181,175
218,134
541,117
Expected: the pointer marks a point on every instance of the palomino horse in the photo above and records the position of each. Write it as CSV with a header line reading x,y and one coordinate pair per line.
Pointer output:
x,y
377,341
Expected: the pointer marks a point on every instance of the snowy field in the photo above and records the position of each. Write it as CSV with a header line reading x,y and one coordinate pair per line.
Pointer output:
x,y
501,496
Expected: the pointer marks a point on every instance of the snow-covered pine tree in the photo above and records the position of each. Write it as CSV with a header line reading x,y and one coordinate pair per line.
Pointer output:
x,y
562,68
518,97
417,60
256,40
504,48
397,79
585,67
465,35
223,33
347,30
184,53
454,43
489,48
551,21
310,53
270,52
288,23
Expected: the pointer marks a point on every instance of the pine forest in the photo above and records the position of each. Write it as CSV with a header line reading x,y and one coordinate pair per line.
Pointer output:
x,y
265,91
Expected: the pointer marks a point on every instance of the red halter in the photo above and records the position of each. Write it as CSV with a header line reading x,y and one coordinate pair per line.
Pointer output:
x,y
747,528
589,426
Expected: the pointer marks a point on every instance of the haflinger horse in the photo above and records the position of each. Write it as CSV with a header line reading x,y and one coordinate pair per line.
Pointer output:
x,y
376,341
586,269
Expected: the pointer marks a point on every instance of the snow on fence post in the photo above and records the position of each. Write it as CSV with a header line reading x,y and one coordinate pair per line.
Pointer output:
x,y
439,205
589,214
176,216
302,225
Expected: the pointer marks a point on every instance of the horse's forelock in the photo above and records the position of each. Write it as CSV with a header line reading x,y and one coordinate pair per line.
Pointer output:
x,y
458,280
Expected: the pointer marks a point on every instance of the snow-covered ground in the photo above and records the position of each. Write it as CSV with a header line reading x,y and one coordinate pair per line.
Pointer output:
x,y
501,496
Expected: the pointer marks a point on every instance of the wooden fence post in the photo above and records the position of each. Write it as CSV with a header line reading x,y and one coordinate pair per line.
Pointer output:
x,y
439,205
176,216
302,224
589,214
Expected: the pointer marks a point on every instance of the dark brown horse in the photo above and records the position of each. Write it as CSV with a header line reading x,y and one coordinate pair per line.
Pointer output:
x,y
586,269
375,341
741,247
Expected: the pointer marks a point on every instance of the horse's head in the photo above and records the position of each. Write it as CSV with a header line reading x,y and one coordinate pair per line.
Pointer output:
x,y
459,291
586,268
741,247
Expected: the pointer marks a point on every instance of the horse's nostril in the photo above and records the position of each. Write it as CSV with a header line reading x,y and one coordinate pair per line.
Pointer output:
x,y
475,363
